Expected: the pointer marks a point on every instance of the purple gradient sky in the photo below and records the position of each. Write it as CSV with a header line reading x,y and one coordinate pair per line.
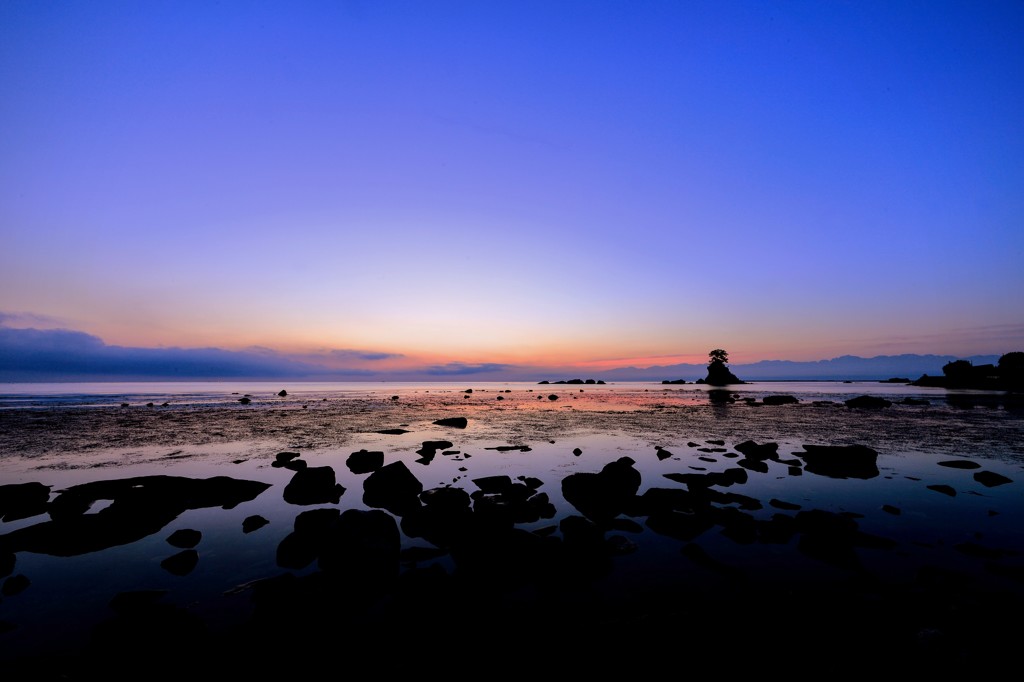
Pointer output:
x,y
569,183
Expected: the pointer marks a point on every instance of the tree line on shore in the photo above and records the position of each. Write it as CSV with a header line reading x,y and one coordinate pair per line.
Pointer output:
x,y
1006,375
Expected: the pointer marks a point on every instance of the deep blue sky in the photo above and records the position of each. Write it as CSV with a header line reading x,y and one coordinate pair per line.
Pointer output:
x,y
589,184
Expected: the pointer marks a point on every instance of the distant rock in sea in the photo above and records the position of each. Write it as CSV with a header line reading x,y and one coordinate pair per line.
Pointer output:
x,y
573,381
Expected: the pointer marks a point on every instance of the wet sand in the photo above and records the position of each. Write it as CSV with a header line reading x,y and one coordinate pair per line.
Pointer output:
x,y
767,564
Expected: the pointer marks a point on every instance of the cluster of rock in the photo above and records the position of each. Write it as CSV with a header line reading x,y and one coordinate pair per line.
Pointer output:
x,y
574,381
347,571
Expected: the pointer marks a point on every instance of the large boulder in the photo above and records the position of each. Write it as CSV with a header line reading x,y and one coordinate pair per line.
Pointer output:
x,y
313,485
394,488
602,496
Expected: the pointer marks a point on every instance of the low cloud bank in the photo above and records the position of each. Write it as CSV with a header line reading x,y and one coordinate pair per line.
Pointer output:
x,y
64,355
31,355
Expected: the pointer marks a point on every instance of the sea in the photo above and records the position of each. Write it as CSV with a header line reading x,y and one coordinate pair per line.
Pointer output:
x,y
213,393
921,521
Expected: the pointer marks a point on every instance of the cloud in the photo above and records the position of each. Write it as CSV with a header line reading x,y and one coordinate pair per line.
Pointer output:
x,y
66,355
22,320
349,354
462,369
28,355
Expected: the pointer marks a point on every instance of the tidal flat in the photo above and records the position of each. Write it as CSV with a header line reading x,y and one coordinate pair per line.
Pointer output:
x,y
565,527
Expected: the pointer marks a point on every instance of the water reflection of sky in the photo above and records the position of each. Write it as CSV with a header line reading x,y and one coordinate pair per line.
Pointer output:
x,y
69,594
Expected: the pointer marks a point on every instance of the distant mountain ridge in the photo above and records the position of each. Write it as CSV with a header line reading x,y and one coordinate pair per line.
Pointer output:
x,y
842,368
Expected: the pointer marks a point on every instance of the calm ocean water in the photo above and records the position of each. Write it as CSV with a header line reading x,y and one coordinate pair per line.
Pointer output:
x,y
228,392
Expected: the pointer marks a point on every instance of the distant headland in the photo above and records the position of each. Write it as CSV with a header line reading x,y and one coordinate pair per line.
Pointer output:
x,y
1007,374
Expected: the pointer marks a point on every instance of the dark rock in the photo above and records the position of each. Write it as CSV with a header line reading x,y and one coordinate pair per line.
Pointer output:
x,y
254,522
738,526
184,538
840,461
244,401
779,400
393,432
742,501
302,546
867,401
23,500
754,465
779,529
761,452
182,563
394,488
680,525
139,507
656,500
282,393
493,484
283,458
719,374
531,482
457,422
16,584
602,496
430,448
313,485
362,550
960,464
500,560
7,561
943,488
445,518
991,479
364,461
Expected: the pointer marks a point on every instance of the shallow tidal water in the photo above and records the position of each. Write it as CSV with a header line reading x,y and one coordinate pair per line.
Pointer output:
x,y
928,544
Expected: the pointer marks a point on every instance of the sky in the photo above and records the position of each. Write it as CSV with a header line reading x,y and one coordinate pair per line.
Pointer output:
x,y
383,186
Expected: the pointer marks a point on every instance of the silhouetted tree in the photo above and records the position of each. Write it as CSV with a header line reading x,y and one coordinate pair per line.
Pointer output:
x,y
1012,361
958,369
719,355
